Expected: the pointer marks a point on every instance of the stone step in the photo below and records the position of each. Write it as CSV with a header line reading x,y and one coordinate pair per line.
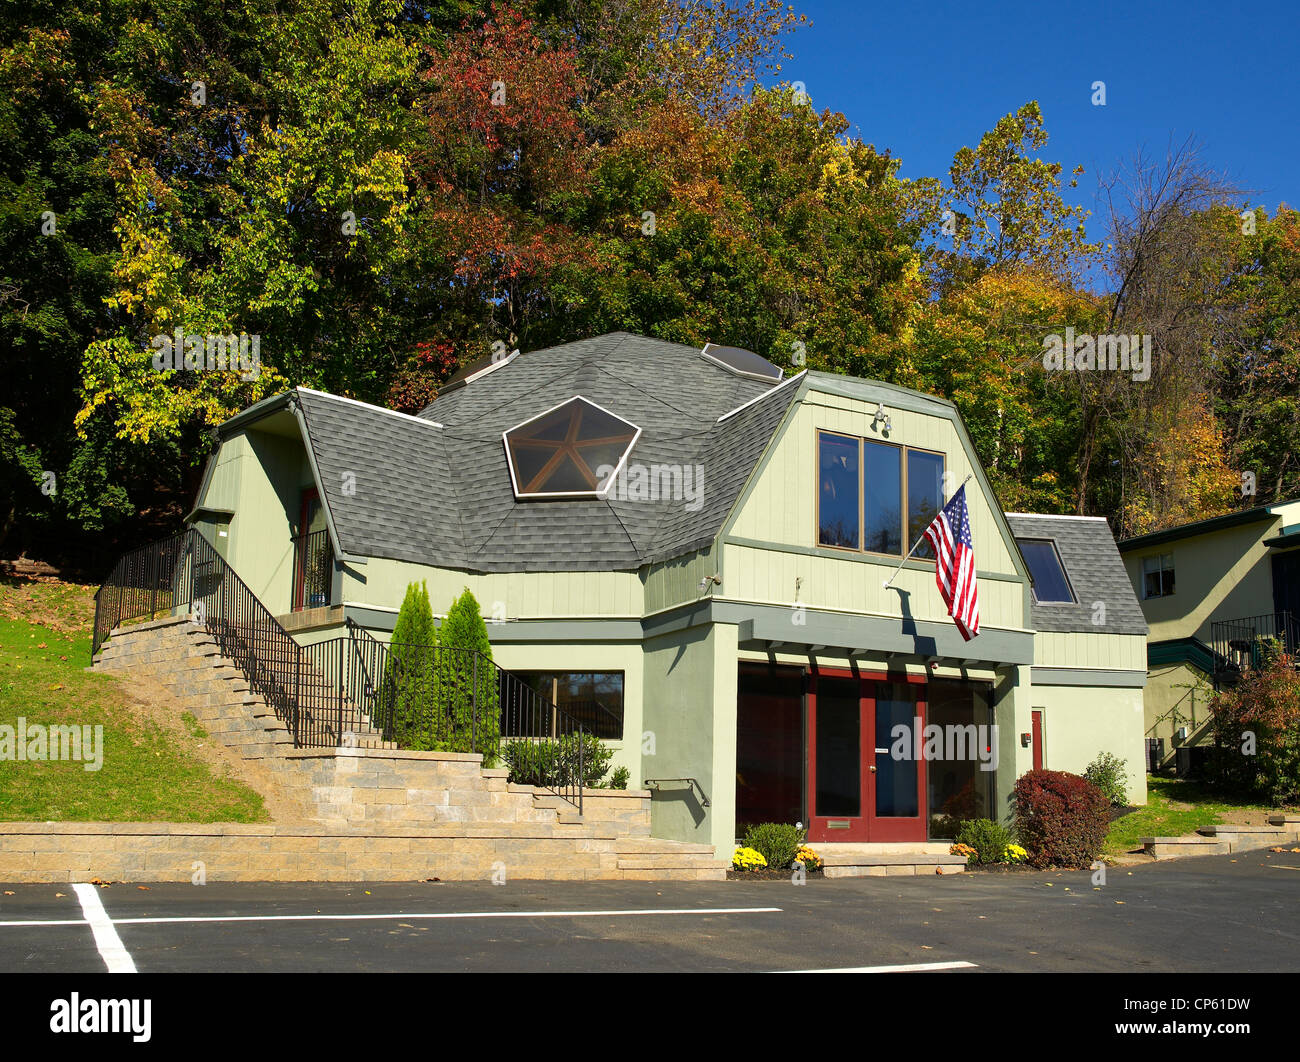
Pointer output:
x,y
674,874
665,862
1191,844
652,845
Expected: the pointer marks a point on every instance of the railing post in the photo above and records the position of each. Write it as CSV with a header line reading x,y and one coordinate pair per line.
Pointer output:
x,y
297,698
340,691
473,723
581,776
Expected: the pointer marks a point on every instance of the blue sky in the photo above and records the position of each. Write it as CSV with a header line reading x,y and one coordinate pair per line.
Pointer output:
x,y
923,80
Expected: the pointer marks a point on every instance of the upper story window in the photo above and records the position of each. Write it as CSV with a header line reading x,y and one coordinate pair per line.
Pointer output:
x,y
1051,585
1158,575
875,497
572,450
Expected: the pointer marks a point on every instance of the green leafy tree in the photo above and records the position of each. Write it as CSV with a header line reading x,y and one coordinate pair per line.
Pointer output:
x,y
408,692
467,685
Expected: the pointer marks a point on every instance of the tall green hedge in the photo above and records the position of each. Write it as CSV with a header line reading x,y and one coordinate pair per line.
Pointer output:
x,y
458,674
408,683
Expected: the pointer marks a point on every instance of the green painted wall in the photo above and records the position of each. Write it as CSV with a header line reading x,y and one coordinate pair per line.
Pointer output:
x,y
780,511
677,581
625,657
1080,722
689,713
513,595
1012,708
1220,575
1177,695
1121,652
261,477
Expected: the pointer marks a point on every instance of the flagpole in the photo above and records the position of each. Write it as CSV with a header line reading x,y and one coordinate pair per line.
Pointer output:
x,y
922,536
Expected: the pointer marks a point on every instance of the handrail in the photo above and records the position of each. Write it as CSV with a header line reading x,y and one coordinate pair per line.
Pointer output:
x,y
1238,642
656,784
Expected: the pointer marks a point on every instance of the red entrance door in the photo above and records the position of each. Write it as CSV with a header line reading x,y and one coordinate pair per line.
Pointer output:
x,y
865,779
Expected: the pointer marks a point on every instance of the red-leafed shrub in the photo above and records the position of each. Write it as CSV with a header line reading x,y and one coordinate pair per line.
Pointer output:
x,y
1257,729
1061,818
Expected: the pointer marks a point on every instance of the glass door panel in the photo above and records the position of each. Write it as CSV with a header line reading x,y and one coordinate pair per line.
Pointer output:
x,y
839,749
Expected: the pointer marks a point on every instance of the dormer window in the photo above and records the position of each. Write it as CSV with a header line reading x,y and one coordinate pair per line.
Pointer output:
x,y
571,451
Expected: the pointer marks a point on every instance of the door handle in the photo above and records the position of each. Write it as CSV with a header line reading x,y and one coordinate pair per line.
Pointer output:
x,y
872,768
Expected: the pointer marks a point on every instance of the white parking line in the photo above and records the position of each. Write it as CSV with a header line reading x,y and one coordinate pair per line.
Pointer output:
x,y
916,967
380,917
115,956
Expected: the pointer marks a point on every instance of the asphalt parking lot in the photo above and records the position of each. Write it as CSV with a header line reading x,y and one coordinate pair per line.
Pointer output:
x,y
1215,914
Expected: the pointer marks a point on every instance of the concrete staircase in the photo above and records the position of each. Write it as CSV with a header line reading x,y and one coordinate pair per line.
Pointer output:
x,y
370,787
1282,830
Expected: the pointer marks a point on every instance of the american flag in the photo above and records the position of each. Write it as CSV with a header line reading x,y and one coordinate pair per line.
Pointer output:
x,y
954,571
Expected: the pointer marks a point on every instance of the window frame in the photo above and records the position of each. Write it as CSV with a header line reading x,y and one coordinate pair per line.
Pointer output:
x,y
548,495
1161,568
903,450
818,514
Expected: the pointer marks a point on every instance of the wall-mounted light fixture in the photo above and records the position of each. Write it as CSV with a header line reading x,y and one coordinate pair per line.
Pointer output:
x,y
882,415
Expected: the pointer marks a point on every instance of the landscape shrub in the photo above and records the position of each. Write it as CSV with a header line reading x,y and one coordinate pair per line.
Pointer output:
x,y
747,859
548,763
467,685
779,842
987,838
1109,773
1061,819
619,779
406,688
1257,730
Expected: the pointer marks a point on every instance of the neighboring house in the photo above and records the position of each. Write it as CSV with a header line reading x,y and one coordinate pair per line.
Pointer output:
x,y
722,602
1211,591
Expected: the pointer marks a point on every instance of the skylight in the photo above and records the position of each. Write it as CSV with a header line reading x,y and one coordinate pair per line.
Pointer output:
x,y
1050,583
743,363
475,369
572,450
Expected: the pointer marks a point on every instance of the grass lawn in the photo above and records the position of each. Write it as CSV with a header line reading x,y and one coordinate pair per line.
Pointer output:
x,y
1177,806
147,775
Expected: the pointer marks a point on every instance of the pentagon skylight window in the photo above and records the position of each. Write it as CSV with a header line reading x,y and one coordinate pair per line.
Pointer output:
x,y
571,451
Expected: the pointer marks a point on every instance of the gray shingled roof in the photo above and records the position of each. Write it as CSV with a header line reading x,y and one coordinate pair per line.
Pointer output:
x,y
1096,573
442,495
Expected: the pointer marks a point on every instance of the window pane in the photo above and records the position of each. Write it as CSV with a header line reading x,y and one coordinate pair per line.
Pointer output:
x,y
897,781
837,461
594,700
563,450
1050,583
883,498
839,749
924,496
